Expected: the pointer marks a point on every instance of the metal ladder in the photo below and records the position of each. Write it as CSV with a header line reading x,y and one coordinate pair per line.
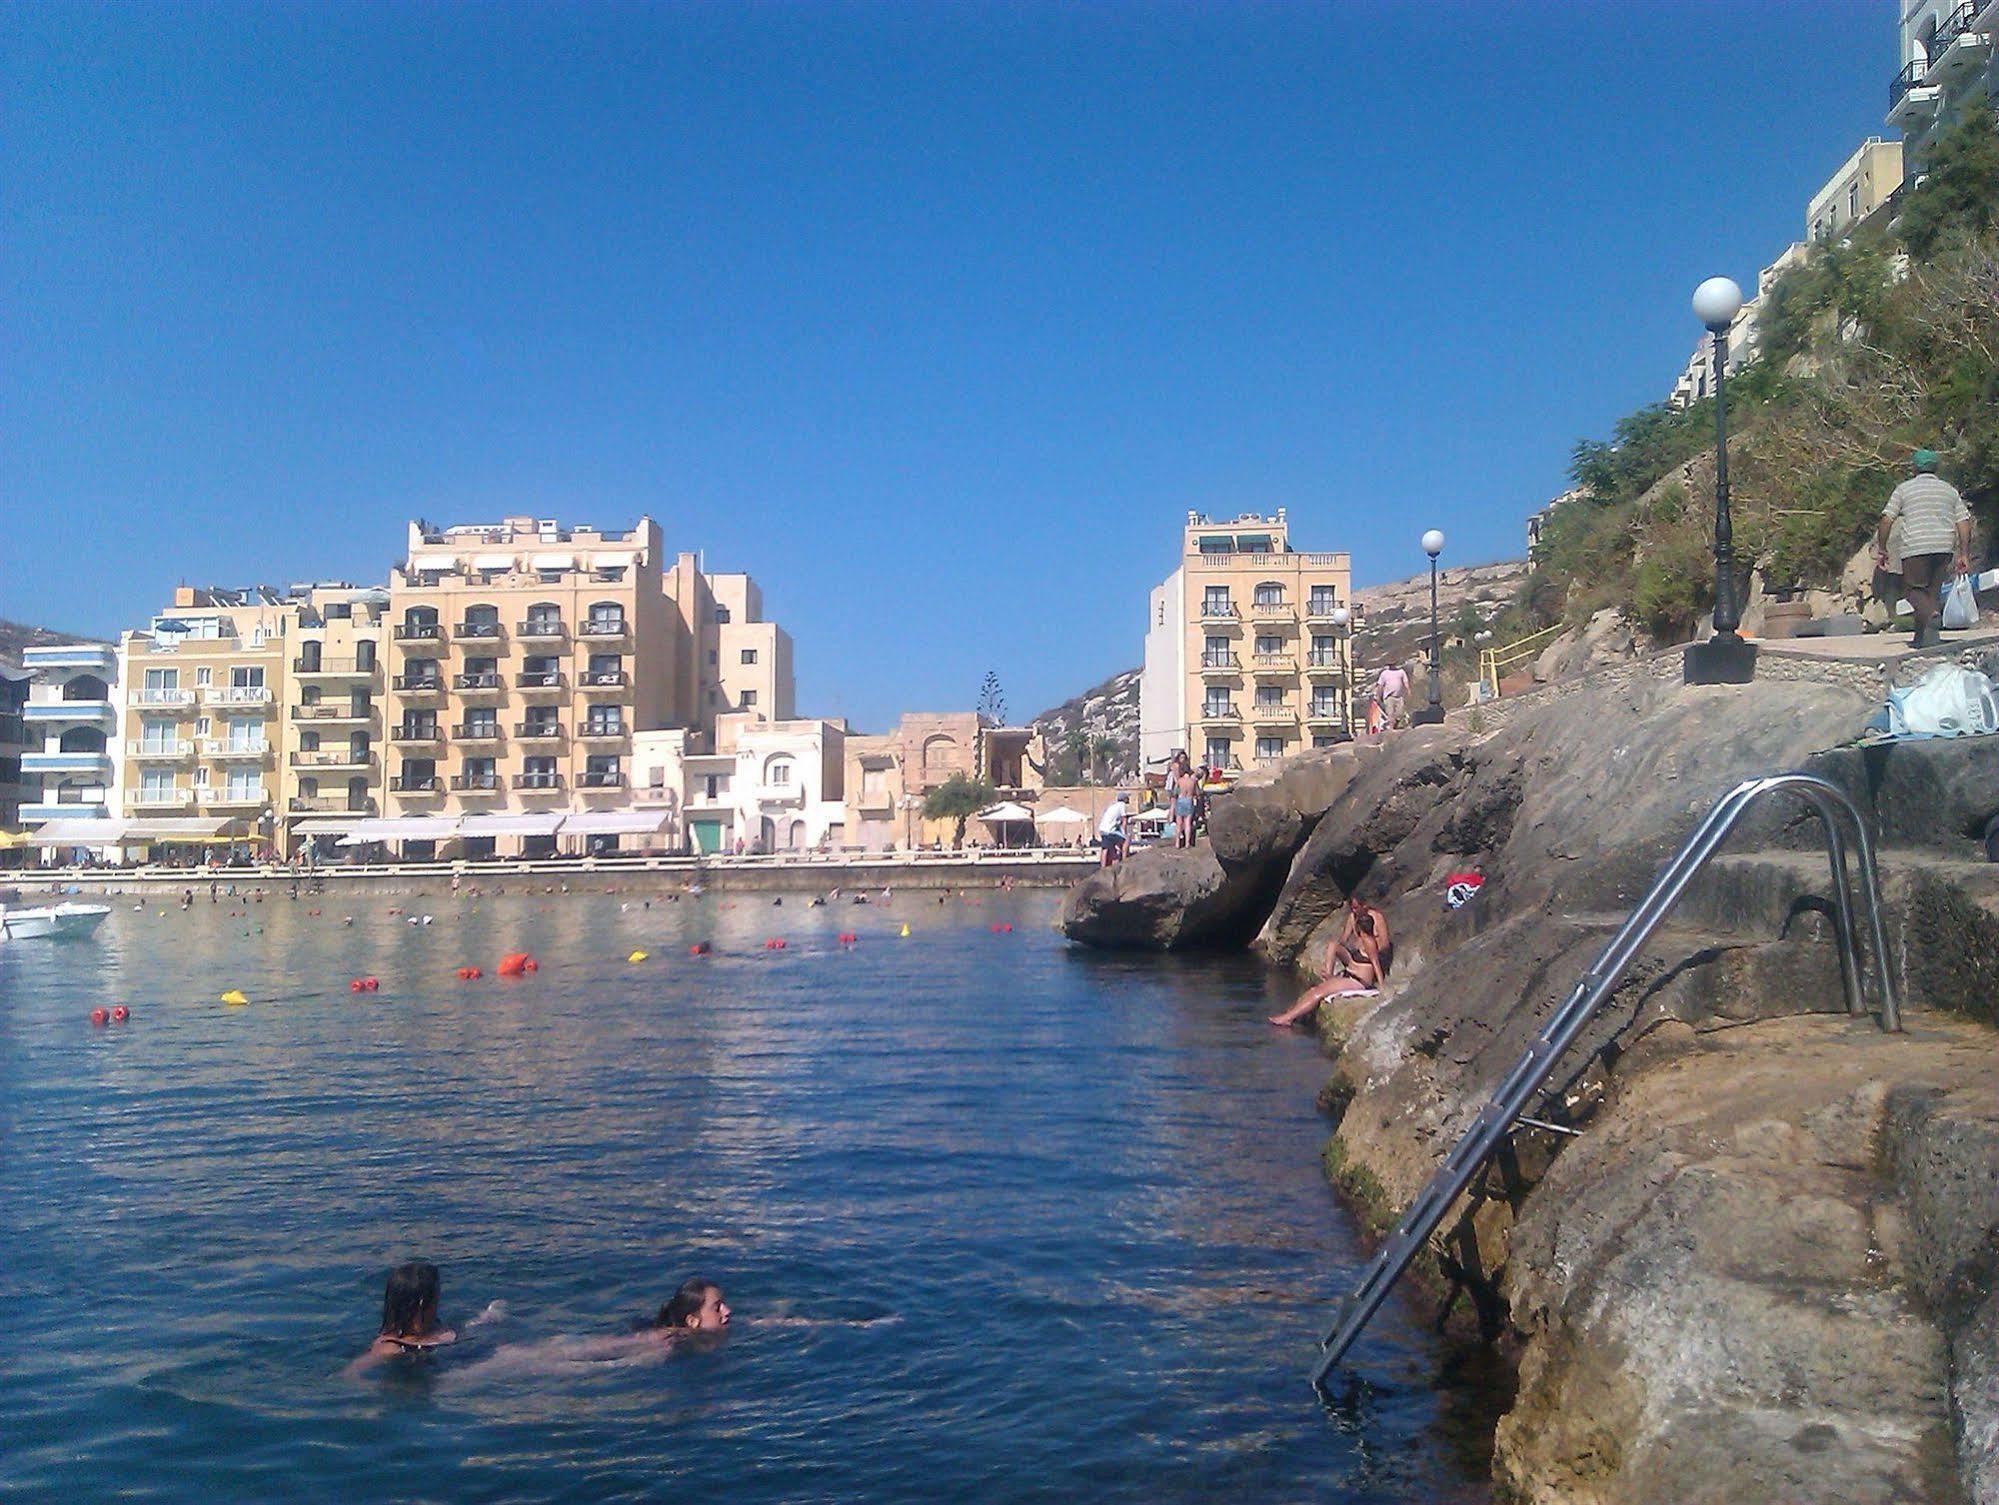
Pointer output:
x,y
1496,1119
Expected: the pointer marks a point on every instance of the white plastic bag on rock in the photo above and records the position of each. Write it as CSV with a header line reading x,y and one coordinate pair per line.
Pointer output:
x,y
1949,701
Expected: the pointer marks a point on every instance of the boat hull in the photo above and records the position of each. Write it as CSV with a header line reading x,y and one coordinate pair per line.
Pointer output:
x,y
62,922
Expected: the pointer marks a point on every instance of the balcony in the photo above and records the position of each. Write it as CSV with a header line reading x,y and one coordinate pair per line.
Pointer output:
x,y
1220,614
1910,100
163,750
418,632
538,731
475,783
539,679
1274,663
419,684
65,807
334,710
1322,665
1272,611
542,781
151,695
484,680
414,783
541,629
1220,665
235,797
340,757
1323,713
1219,710
486,630
604,679
329,804
1320,609
420,732
603,731
67,762
160,799
1273,713
1956,46
779,794
99,656
598,778
332,668
236,695
477,731
224,749
603,627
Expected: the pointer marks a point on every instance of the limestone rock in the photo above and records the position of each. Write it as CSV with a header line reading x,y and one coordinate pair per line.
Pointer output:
x,y
1270,812
1162,899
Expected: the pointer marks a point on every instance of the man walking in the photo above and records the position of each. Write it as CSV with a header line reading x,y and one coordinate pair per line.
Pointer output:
x,y
1936,533
1391,688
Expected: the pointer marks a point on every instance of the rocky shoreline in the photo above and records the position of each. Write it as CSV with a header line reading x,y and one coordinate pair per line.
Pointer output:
x,y
1760,1266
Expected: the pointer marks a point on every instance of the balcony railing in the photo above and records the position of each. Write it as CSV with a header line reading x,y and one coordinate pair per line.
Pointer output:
x,y
1271,611
415,783
538,731
160,799
1322,711
332,757
418,632
1321,659
541,627
484,680
1320,608
306,804
1215,710
477,731
476,630
77,761
599,778
332,666
1905,83
234,797
234,747
602,731
163,749
237,695
333,710
539,679
537,781
1282,663
422,731
155,695
1219,611
419,684
1273,713
603,627
1221,663
604,679
475,783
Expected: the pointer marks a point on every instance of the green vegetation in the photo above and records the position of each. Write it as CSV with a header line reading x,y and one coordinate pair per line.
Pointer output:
x,y
958,798
1872,347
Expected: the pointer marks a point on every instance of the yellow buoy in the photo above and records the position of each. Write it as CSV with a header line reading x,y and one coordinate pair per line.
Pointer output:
x,y
234,995
905,928
636,956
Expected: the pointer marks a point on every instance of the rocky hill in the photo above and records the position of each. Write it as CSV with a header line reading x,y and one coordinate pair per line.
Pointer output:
x,y
1108,711
16,636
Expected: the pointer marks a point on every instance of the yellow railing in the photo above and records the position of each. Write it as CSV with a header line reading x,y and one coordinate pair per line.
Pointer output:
x,y
1494,662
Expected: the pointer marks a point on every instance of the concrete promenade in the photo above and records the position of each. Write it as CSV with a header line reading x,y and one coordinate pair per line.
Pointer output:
x,y
783,872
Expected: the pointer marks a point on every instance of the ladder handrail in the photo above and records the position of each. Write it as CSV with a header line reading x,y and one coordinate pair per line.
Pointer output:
x,y
1492,660
1530,1073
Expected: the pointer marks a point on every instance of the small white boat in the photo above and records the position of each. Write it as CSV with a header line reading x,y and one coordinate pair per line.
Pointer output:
x,y
54,922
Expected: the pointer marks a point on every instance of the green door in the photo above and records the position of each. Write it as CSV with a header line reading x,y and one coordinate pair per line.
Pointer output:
x,y
707,836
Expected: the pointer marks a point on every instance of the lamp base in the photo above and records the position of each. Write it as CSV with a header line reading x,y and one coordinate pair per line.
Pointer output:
x,y
1429,715
1724,659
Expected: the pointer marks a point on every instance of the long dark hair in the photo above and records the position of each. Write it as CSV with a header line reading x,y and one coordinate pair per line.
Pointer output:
x,y
685,1302
409,1302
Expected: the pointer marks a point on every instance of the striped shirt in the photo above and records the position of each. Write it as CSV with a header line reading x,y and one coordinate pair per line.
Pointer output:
x,y
1930,510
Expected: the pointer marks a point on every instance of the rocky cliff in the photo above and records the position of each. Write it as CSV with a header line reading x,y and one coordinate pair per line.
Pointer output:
x,y
1757,1265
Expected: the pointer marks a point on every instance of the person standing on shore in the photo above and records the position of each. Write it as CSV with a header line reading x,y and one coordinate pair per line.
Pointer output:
x,y
1185,792
1110,830
1391,687
1936,534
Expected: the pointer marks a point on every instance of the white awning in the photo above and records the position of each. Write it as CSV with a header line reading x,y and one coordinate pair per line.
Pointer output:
x,y
1061,815
510,825
326,825
78,833
622,561
613,822
400,828
492,561
181,828
1006,812
553,561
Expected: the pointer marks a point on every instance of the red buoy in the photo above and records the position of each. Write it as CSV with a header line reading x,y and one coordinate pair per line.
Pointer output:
x,y
354,984
699,948
100,1017
119,1013
515,964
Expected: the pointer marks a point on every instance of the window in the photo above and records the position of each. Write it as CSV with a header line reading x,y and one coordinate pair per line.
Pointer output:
x,y
721,612
1269,698
155,785
714,658
156,736
1853,201
201,676
655,777
244,785
1267,644
245,734
1215,602
481,721
544,617
606,617
1269,593
605,720
538,773
716,786
162,679
1323,741
749,655
480,773
778,775
1216,753
1269,747
1322,600
749,699
541,719
1325,705
1217,703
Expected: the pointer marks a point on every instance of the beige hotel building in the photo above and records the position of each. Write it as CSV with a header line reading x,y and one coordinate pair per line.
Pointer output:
x,y
1247,647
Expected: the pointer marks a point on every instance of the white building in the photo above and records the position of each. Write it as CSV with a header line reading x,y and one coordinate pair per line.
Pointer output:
x,y
72,712
788,781
1860,185
1947,55
1162,682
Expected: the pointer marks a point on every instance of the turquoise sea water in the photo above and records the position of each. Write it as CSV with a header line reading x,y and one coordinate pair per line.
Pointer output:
x,y
999,1219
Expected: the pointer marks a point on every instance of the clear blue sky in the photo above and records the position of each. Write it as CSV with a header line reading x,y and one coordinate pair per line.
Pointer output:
x,y
933,317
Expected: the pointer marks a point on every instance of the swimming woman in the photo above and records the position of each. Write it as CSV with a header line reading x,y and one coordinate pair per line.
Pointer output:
x,y
696,1307
409,1314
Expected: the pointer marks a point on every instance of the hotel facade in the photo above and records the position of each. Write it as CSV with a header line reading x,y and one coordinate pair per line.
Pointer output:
x,y
1247,647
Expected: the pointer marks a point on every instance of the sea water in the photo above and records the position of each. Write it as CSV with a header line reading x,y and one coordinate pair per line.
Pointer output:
x,y
999,1218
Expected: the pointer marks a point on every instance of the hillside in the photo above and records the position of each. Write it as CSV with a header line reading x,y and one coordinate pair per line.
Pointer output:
x,y
17,636
1104,713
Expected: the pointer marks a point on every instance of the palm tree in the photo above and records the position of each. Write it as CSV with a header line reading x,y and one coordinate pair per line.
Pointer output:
x,y
1103,750
1077,746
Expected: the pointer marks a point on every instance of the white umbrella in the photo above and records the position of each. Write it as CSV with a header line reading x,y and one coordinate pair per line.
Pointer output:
x,y
1150,818
1006,812
1061,815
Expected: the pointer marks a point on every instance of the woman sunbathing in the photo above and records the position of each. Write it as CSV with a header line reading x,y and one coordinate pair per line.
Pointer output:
x,y
1356,962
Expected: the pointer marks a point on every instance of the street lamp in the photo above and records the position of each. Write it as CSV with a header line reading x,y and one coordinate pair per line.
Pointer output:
x,y
1430,715
1344,663
1724,659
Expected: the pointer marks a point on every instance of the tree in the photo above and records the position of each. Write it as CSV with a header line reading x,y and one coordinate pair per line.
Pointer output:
x,y
992,700
957,798
1077,746
1960,186
1103,750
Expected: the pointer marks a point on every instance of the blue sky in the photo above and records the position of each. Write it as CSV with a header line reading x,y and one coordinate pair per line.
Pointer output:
x,y
936,318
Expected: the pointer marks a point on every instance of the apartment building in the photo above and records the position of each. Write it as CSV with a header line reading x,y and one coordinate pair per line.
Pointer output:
x,y
523,656
1246,647
330,767
728,659
787,782
1860,185
875,795
68,720
203,688
1947,57
14,744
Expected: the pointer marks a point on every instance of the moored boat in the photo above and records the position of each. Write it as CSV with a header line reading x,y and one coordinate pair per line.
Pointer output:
x,y
49,922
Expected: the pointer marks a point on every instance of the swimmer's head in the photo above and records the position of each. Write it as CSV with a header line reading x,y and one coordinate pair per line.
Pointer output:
x,y
697,1304
409,1304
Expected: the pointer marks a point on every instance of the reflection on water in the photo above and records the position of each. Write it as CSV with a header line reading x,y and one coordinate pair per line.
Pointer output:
x,y
993,1215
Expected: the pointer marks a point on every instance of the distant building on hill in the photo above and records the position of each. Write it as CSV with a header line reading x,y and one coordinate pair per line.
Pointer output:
x,y
1861,184
1948,54
1537,522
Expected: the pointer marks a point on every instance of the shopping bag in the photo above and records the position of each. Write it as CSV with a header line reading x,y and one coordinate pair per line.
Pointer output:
x,y
1960,605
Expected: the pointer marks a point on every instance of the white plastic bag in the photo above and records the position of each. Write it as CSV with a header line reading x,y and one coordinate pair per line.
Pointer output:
x,y
1949,701
1960,605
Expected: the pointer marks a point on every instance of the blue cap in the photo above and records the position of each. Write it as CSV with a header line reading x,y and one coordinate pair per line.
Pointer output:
x,y
1924,459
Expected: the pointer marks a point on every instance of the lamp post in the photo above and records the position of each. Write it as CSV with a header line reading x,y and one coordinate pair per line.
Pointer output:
x,y
1344,663
1724,659
1430,715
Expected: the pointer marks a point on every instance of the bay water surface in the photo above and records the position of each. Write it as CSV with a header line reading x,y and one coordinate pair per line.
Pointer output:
x,y
999,1219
